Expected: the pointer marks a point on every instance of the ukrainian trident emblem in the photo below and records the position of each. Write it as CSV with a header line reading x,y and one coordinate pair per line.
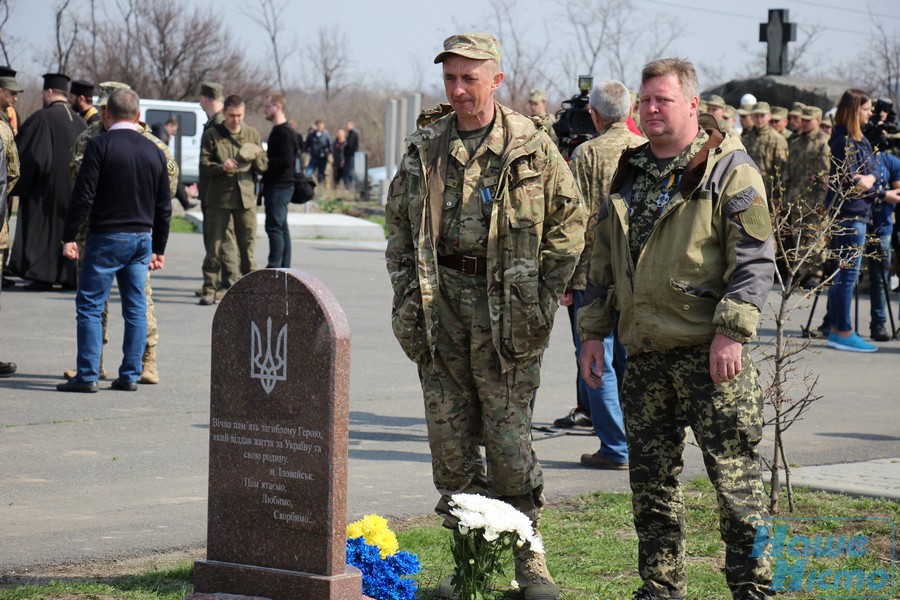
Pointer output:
x,y
265,366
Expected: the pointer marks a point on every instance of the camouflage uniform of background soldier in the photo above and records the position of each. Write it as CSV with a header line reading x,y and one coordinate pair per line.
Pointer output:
x,y
11,164
769,150
806,181
684,253
149,372
483,234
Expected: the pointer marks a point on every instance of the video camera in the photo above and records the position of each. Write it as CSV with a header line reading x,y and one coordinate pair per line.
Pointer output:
x,y
573,122
883,133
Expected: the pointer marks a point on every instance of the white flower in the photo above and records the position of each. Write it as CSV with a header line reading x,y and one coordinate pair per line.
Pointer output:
x,y
495,517
514,584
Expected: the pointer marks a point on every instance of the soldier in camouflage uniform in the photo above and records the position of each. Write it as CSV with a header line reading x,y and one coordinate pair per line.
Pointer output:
x,y
485,226
806,181
768,149
795,117
10,159
593,164
537,109
684,253
149,371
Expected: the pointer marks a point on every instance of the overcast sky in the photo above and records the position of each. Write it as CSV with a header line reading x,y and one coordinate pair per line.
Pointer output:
x,y
396,40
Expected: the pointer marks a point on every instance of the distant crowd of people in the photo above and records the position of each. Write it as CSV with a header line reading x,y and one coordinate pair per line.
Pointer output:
x,y
45,155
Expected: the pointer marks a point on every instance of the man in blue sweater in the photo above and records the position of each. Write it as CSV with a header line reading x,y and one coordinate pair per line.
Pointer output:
x,y
123,187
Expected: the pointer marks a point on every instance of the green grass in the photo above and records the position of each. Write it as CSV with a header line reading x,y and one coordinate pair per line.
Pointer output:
x,y
181,225
591,549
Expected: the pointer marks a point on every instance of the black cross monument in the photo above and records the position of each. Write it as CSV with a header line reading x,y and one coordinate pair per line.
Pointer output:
x,y
777,32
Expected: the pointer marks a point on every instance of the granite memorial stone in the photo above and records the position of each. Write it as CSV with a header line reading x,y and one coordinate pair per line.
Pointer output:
x,y
279,414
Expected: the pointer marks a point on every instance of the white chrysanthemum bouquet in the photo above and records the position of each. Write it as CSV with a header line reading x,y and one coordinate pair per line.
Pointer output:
x,y
487,528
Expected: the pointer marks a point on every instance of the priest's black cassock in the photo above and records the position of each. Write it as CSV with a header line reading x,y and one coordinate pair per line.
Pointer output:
x,y
45,143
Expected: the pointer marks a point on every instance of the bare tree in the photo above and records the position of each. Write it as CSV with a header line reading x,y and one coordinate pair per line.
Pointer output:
x,y
609,31
4,17
164,51
877,68
67,28
799,54
268,15
331,59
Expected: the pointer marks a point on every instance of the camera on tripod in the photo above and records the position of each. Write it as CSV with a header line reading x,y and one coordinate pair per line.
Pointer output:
x,y
573,122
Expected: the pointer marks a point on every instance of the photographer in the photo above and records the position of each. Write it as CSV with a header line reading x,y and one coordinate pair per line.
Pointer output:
x,y
879,235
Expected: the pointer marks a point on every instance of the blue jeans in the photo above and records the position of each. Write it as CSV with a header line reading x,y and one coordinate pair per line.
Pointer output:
x,y
879,272
125,257
277,201
848,244
606,412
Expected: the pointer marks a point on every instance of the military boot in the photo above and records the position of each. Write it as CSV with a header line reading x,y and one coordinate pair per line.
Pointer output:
x,y
67,375
148,368
533,577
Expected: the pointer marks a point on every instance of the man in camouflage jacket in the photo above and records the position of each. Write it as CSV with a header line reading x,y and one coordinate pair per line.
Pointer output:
x,y
806,181
768,149
10,159
485,226
684,253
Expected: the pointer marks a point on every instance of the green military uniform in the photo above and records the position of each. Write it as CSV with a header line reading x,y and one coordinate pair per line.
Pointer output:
x,y
229,197
806,181
481,243
149,372
228,259
684,251
769,150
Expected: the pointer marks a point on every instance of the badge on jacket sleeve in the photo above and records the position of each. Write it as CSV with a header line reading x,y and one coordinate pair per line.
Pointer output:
x,y
755,220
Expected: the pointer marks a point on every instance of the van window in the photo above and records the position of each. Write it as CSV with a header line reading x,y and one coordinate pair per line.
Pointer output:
x,y
156,118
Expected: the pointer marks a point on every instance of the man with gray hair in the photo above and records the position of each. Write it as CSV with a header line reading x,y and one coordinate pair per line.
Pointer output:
x,y
683,260
593,164
123,187
485,226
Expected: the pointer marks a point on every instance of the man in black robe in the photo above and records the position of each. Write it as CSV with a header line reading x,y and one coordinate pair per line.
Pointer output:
x,y
45,141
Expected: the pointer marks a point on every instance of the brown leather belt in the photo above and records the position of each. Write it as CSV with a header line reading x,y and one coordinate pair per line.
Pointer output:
x,y
467,265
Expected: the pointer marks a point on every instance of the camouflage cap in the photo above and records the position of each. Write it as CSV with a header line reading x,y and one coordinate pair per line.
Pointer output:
x,y
107,87
479,46
797,109
760,108
828,121
212,90
8,80
538,96
730,111
779,112
715,101
812,113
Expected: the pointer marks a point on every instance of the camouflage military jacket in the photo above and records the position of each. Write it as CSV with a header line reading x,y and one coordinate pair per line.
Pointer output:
x,y
769,150
234,189
708,262
807,170
96,128
593,164
11,154
536,234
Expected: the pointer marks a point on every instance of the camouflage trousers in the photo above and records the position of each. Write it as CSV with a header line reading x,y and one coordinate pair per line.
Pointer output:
x,y
152,327
470,403
663,393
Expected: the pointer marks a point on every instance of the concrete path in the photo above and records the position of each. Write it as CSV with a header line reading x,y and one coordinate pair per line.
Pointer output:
x,y
116,475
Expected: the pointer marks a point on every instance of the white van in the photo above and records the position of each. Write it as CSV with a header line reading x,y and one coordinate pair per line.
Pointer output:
x,y
190,129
